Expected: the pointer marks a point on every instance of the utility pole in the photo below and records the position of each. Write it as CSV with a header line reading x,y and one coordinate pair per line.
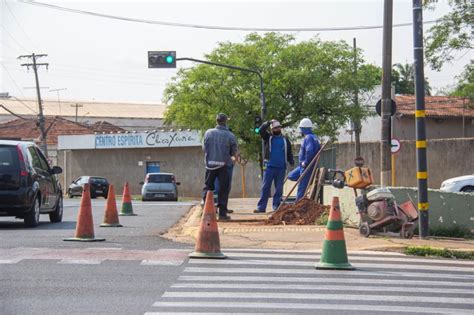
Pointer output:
x,y
59,102
41,120
385,141
356,122
77,108
421,165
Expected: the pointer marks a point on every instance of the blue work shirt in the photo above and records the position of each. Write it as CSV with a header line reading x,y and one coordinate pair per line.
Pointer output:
x,y
309,148
277,152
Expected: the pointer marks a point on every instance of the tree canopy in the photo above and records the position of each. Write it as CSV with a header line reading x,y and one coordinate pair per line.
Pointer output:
x,y
311,78
403,77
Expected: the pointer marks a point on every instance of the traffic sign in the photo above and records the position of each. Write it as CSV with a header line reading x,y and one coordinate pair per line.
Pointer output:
x,y
359,161
393,107
395,146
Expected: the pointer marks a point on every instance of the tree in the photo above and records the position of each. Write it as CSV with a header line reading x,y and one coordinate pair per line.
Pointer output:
x,y
465,86
451,33
403,77
307,79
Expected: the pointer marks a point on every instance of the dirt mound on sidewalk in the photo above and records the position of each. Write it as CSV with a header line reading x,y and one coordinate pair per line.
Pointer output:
x,y
304,212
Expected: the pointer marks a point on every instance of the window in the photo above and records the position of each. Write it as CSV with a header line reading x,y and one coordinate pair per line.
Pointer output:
x,y
8,159
160,178
34,158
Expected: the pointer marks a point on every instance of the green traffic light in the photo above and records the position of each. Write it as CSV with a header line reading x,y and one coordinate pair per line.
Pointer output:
x,y
257,130
169,59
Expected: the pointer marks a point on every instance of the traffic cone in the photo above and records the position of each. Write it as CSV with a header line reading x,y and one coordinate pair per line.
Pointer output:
x,y
334,255
85,225
111,215
207,242
127,208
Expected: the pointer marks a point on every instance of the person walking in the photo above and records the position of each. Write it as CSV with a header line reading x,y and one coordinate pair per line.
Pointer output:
x,y
278,154
309,148
219,146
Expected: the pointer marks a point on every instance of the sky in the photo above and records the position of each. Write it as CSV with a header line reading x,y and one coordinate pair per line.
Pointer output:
x,y
98,59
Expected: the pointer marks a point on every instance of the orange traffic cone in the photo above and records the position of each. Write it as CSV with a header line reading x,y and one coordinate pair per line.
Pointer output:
x,y
207,242
127,208
334,255
111,215
85,225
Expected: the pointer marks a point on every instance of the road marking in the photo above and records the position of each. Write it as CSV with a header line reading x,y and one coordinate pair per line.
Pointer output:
x,y
326,272
318,280
312,296
324,286
445,267
316,257
308,306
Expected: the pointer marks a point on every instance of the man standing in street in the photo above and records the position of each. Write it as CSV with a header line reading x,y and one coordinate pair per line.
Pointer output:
x,y
309,148
277,155
219,146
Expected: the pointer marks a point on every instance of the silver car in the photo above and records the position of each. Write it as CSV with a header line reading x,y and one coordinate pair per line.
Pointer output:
x,y
459,184
160,186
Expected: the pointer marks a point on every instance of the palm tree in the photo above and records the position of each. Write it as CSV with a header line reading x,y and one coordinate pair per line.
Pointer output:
x,y
403,77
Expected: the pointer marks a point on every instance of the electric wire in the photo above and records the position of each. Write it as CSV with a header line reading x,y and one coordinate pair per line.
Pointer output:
x,y
19,25
216,27
18,43
14,82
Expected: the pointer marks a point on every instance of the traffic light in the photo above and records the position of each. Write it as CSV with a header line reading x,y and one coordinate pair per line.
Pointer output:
x,y
257,124
162,59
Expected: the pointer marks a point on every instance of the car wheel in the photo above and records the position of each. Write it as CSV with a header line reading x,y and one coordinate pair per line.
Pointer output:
x,y
57,214
69,194
468,189
32,217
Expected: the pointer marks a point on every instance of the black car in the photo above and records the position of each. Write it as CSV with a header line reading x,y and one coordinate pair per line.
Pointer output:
x,y
28,185
99,186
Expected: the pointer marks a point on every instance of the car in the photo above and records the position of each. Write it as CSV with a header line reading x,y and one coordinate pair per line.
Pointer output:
x,y
459,184
99,186
28,185
160,186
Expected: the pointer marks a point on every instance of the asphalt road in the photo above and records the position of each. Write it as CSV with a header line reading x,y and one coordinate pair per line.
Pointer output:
x,y
136,272
42,274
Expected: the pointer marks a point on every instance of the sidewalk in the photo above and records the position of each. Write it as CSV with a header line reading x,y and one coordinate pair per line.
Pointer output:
x,y
247,230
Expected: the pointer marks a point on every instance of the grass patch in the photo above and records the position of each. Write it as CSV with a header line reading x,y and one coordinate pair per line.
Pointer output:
x,y
438,252
455,231
323,218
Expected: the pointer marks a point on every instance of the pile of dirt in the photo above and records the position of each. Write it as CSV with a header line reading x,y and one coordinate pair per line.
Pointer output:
x,y
304,212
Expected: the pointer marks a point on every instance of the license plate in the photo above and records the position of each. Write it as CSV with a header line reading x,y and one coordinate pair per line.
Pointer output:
x,y
159,195
98,191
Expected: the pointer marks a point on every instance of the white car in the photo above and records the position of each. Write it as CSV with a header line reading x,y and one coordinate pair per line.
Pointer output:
x,y
459,184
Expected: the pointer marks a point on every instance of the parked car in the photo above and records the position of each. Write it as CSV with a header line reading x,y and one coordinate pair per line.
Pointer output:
x,y
99,186
28,185
459,184
160,186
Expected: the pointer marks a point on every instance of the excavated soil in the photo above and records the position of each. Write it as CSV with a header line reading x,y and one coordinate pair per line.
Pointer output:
x,y
304,212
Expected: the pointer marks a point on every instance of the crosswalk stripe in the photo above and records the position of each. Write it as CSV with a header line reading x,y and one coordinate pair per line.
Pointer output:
x,y
395,280
312,264
316,257
311,296
312,306
400,273
319,287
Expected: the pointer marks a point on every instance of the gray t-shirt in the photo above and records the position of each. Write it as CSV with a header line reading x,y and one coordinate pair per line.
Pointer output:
x,y
219,145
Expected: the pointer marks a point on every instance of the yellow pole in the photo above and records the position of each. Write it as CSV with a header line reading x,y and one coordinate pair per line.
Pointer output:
x,y
393,170
242,171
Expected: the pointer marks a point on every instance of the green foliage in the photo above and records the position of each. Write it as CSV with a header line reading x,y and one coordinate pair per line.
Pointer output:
x,y
465,86
451,33
403,77
312,79
455,231
446,253
323,218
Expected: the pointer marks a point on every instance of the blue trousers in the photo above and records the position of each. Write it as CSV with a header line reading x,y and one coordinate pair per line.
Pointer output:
x,y
295,174
276,175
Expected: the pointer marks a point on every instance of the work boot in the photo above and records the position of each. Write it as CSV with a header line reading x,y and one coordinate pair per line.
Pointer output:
x,y
224,218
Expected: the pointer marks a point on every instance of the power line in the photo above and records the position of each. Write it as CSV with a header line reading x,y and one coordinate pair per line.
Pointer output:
x,y
16,115
13,38
8,73
19,25
215,27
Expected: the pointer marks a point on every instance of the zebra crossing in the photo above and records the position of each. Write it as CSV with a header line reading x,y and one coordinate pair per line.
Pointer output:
x,y
286,282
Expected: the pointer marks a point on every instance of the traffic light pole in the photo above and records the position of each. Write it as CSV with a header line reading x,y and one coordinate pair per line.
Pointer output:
x,y
263,112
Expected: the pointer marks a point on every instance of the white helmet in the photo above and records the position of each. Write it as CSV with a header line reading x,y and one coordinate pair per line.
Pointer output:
x,y
305,123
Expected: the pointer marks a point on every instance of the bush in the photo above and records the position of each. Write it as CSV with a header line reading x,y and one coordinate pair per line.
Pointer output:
x,y
438,252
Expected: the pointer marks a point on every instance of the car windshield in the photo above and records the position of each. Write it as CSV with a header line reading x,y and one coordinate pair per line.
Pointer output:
x,y
160,178
96,180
